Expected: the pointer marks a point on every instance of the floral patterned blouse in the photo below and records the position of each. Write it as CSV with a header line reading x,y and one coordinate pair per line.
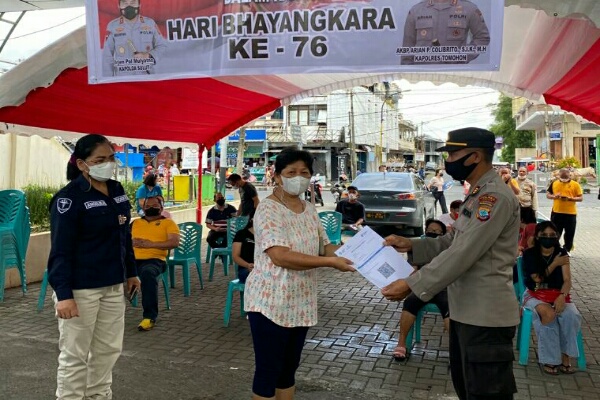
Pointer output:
x,y
285,296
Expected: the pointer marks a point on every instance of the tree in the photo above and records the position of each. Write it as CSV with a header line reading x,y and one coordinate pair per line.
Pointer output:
x,y
505,128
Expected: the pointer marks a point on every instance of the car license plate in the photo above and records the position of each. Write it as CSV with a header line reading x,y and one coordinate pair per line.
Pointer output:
x,y
375,215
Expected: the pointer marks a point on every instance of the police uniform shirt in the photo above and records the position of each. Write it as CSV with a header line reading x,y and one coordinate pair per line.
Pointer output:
x,y
527,193
91,243
475,260
444,24
124,38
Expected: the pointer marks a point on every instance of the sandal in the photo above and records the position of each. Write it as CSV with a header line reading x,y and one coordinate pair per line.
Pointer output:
x,y
567,369
550,369
399,353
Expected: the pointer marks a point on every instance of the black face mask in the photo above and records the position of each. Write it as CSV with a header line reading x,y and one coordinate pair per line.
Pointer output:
x,y
457,169
130,12
152,212
547,242
221,202
432,234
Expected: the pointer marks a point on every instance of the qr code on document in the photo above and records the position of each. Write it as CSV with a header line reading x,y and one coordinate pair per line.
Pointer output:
x,y
386,270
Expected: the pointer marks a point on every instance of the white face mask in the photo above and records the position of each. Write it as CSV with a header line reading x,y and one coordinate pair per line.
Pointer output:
x,y
564,180
522,177
102,172
352,196
296,185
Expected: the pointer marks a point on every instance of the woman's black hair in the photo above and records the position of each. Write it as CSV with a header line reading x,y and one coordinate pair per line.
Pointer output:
x,y
84,147
290,155
437,171
436,221
528,215
250,223
150,179
541,265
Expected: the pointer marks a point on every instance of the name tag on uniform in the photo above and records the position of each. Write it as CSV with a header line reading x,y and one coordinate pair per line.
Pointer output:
x,y
93,204
121,199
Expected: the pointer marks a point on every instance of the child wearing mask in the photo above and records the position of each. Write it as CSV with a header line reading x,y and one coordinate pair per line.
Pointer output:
x,y
449,218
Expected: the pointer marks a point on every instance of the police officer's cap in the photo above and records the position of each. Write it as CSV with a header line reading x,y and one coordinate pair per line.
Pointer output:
x,y
469,138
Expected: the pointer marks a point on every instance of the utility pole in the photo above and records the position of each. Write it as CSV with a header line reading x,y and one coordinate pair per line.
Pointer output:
x,y
240,152
224,164
380,150
352,138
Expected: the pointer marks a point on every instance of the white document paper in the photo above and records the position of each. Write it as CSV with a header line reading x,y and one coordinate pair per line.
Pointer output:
x,y
380,264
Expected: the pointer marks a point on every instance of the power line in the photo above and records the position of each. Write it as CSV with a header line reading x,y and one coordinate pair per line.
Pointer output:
x,y
46,29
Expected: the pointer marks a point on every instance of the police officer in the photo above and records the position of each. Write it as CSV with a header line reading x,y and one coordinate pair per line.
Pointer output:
x,y
444,23
91,255
476,266
133,44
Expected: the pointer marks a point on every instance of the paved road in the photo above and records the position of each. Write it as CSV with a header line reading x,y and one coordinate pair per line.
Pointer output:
x,y
190,355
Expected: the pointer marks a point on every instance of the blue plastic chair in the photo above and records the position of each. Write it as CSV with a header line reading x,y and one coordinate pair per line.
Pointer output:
x,y
14,235
233,225
188,252
234,285
332,223
524,330
415,330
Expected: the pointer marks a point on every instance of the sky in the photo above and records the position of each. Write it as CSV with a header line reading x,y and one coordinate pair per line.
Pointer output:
x,y
438,108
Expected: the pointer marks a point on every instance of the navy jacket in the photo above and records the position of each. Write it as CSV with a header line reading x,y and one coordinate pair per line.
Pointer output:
x,y
91,238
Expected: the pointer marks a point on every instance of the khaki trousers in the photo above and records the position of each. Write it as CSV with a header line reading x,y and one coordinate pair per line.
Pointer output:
x,y
90,344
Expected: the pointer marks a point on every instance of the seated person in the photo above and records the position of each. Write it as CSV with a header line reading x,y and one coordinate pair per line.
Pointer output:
x,y
449,218
153,236
527,229
556,321
149,188
352,210
243,251
216,221
412,304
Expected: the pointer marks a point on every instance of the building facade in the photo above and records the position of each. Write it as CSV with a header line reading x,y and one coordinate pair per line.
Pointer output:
x,y
559,134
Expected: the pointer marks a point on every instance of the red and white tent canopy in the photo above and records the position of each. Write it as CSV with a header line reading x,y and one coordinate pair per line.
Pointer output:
x,y
551,48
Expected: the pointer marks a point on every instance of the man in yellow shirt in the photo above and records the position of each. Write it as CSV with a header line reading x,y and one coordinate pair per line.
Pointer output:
x,y
153,236
565,192
509,180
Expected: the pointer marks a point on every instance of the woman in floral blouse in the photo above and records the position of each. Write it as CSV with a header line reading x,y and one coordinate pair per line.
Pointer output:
x,y
281,291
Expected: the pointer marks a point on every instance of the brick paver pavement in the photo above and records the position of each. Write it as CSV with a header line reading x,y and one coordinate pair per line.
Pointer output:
x,y
190,355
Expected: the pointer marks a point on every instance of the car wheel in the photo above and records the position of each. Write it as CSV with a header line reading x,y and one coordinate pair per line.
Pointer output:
x,y
420,230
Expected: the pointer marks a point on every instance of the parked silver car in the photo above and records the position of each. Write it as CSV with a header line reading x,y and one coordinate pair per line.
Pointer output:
x,y
395,199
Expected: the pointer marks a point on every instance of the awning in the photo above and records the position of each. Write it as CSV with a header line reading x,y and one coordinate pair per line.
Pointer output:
x,y
556,56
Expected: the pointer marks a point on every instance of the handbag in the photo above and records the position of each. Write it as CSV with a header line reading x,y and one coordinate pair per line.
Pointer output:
x,y
548,295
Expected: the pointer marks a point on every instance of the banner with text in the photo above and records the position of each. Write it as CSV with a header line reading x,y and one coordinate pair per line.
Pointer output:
x,y
141,40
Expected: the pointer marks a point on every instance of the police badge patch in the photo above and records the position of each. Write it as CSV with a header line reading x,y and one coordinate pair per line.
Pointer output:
x,y
486,202
63,204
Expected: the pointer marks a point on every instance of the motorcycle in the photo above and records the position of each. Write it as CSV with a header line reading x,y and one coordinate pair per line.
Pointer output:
x,y
337,190
315,187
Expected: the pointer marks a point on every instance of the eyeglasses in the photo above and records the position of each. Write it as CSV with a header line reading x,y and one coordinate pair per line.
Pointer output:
x,y
548,235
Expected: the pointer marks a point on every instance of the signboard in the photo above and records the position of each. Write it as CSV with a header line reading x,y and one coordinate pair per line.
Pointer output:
x,y
189,158
189,38
420,157
252,135
555,135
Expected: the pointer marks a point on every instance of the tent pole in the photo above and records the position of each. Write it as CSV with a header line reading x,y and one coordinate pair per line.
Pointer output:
x,y
199,197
